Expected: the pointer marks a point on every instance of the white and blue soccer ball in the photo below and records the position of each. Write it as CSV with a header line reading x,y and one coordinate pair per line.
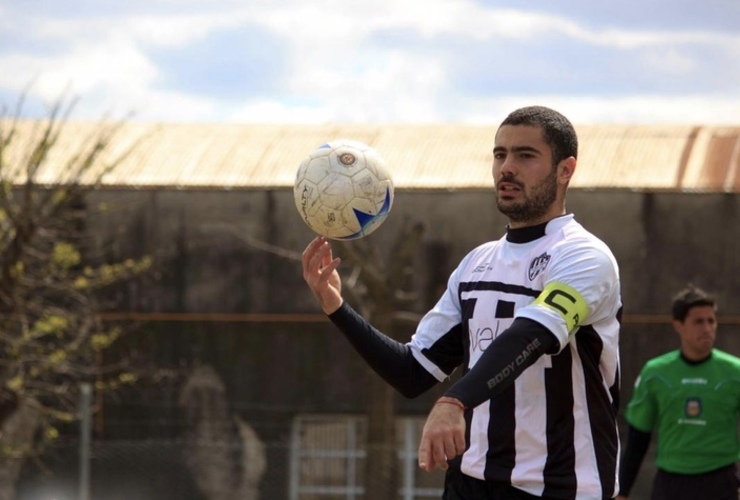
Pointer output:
x,y
343,190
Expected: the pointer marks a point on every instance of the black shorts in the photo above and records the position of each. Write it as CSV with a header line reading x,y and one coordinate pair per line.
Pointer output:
x,y
459,486
720,484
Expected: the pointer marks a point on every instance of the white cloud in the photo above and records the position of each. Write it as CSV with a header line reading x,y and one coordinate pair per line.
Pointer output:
x,y
689,109
339,67
362,97
84,69
668,61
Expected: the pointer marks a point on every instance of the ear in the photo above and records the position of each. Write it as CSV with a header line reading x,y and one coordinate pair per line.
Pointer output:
x,y
566,169
677,326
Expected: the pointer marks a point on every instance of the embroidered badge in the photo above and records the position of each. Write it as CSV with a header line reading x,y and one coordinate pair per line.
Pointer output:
x,y
538,265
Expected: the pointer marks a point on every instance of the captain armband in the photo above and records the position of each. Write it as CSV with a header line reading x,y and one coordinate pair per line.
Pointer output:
x,y
566,301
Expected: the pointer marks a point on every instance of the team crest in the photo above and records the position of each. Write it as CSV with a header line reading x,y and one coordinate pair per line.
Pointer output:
x,y
538,265
693,407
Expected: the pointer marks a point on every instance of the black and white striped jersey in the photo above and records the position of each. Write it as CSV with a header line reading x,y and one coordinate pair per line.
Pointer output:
x,y
553,432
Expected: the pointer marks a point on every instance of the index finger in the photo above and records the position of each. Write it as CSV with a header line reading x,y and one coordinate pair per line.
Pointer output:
x,y
426,461
311,249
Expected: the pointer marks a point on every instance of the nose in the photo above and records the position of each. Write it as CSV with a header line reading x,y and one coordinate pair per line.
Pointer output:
x,y
504,168
506,165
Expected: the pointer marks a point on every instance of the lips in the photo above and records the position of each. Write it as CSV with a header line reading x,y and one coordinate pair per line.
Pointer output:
x,y
508,188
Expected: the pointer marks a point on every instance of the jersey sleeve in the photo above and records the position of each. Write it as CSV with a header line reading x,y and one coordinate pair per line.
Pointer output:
x,y
642,410
581,288
436,344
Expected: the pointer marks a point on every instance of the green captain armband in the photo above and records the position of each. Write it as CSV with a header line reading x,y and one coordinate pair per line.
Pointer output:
x,y
566,301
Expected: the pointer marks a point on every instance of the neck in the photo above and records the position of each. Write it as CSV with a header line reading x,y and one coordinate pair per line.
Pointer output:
x,y
518,224
695,357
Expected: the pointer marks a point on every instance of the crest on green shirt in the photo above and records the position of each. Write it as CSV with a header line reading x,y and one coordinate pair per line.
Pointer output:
x,y
692,409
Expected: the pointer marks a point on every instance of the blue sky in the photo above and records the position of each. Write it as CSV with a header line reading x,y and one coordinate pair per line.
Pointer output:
x,y
394,61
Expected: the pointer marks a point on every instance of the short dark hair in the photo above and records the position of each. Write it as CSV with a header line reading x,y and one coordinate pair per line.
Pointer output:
x,y
689,297
557,130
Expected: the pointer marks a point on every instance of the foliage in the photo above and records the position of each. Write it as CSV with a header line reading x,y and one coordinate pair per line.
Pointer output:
x,y
53,284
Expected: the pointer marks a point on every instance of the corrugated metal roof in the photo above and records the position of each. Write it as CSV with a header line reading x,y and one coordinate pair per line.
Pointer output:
x,y
449,156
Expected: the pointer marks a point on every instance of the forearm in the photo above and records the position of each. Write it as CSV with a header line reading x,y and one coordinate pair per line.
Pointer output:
x,y
390,359
503,361
638,443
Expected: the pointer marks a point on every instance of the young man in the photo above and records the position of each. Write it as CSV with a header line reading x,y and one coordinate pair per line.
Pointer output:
x,y
533,321
692,398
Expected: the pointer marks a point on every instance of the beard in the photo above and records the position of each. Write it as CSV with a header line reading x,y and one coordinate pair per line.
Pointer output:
x,y
537,201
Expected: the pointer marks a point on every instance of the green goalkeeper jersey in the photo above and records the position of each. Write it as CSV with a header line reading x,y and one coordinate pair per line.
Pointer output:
x,y
694,408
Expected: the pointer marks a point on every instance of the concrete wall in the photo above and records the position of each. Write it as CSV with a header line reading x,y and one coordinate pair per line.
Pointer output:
x,y
204,242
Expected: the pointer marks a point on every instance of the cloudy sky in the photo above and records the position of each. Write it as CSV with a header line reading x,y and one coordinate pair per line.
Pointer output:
x,y
400,61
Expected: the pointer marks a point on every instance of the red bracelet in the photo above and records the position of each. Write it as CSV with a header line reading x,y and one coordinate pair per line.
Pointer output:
x,y
453,402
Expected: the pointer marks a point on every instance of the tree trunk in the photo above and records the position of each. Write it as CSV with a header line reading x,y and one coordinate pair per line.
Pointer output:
x,y
16,438
382,476
381,466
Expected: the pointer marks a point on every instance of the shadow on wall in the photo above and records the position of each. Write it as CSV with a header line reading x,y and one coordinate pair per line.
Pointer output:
x,y
224,453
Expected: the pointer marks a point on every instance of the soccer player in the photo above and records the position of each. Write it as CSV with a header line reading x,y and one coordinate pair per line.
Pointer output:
x,y
533,322
691,396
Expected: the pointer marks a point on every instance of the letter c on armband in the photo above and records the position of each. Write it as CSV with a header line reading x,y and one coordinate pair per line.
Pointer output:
x,y
566,301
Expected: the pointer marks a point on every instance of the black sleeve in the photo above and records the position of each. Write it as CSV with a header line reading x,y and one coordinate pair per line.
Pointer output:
x,y
512,352
389,358
637,445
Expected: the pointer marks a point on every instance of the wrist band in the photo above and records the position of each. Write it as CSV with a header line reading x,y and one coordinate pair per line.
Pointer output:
x,y
453,402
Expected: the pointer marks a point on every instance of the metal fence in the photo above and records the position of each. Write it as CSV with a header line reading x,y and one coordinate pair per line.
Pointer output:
x,y
321,458
268,452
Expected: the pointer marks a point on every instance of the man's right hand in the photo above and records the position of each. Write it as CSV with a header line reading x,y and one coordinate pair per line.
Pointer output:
x,y
320,273
443,437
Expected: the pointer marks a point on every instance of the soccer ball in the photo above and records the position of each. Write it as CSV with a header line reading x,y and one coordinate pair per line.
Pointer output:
x,y
343,190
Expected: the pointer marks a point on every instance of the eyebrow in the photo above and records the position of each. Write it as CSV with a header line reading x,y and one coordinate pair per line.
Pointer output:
x,y
517,149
